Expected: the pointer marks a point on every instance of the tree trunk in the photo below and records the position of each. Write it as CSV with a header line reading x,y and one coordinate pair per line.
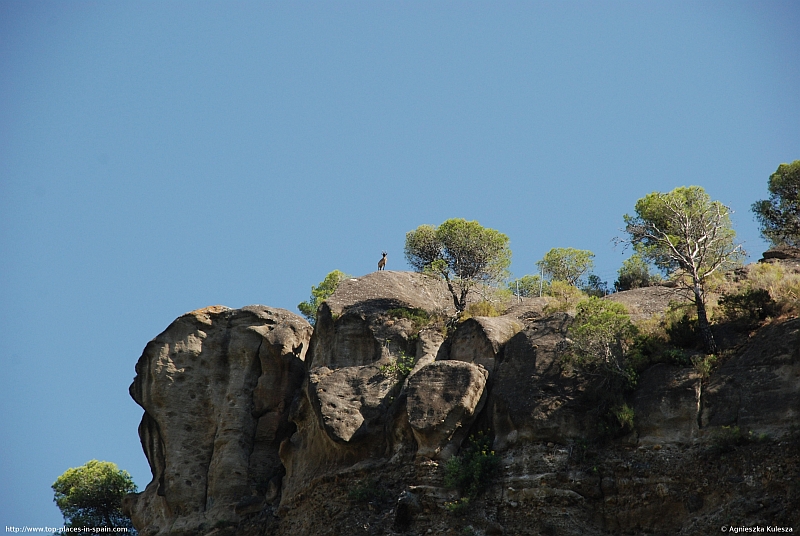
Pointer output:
x,y
709,344
459,306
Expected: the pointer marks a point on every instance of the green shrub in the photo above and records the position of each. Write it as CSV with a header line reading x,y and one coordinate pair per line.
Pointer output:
x,y
320,293
529,286
481,308
635,273
566,297
726,438
471,471
683,331
594,286
704,364
625,415
458,507
783,287
602,336
419,317
748,307
402,366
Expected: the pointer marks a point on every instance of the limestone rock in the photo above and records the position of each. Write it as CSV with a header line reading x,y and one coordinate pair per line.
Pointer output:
x,y
429,344
216,387
443,400
667,404
479,340
758,389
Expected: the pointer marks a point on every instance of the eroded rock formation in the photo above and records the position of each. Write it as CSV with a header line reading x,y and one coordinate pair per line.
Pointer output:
x,y
256,424
216,387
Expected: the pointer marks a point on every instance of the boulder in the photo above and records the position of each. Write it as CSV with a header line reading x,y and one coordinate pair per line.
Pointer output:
x,y
758,389
354,328
216,387
444,398
383,290
480,339
352,402
667,404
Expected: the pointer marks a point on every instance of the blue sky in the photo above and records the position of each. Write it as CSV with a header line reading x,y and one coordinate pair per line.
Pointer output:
x,y
158,157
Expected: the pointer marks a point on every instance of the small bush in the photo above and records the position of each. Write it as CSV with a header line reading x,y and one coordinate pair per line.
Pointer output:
x,y
635,273
704,364
472,470
529,286
320,293
726,438
624,415
748,307
683,331
602,337
594,286
566,297
419,317
402,366
481,308
783,288
458,507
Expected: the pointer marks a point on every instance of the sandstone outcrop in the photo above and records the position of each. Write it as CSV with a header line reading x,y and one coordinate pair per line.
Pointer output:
x,y
356,376
255,425
646,302
216,387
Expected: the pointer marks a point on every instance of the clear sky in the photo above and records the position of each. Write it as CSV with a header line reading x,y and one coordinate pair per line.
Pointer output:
x,y
158,157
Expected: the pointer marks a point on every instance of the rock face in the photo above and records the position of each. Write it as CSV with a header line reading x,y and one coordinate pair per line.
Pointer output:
x,y
759,389
443,400
256,424
642,303
667,405
479,340
216,387
532,399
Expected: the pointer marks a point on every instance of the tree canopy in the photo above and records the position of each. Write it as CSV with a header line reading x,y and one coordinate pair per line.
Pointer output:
x,y
634,273
566,264
320,293
91,495
529,286
779,216
463,252
686,233
602,335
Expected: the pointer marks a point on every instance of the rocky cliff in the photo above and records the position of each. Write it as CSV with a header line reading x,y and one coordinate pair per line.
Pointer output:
x,y
257,423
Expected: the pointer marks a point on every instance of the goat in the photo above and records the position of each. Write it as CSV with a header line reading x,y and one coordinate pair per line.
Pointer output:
x,y
382,262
